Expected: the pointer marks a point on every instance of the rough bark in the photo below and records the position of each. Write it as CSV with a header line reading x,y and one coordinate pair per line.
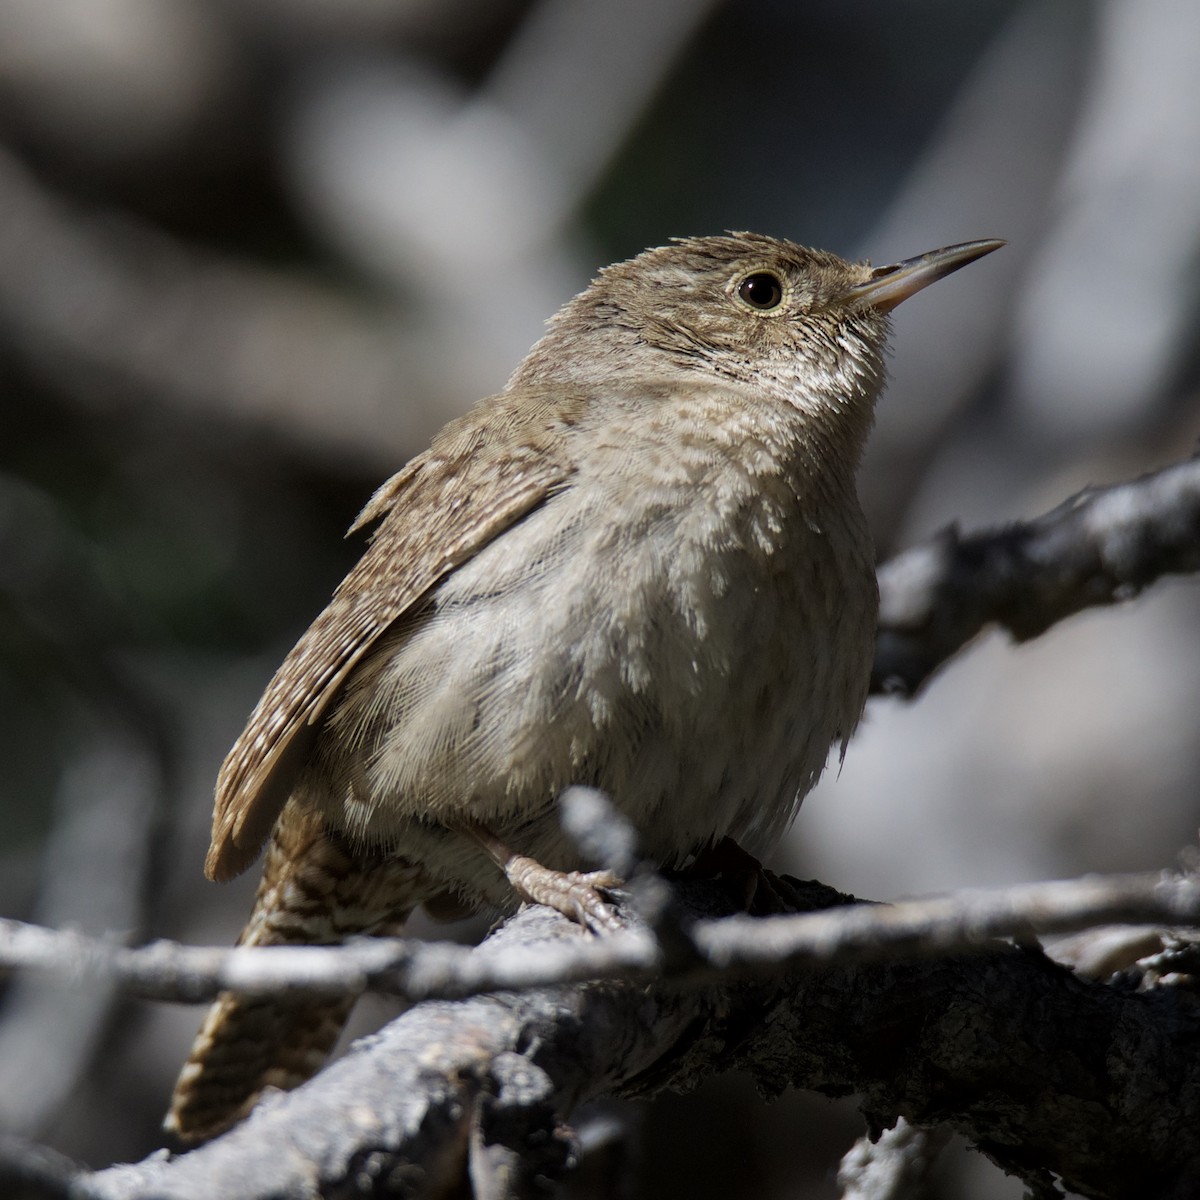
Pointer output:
x,y
1102,546
1049,1074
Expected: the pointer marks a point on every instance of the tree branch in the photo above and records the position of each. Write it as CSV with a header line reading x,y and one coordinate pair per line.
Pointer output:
x,y
734,945
894,1166
1046,1072
1100,547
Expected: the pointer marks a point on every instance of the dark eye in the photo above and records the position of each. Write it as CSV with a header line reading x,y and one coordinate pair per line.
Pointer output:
x,y
762,290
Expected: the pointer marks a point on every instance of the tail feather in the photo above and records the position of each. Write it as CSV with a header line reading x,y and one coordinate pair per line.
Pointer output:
x,y
313,891
246,1045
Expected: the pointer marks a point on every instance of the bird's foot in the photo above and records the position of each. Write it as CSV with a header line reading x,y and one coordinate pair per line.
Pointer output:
x,y
576,894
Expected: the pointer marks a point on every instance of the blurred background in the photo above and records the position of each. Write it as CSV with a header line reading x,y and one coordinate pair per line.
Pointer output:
x,y
253,253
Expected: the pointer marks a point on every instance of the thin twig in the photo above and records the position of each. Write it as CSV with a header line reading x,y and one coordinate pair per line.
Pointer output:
x,y
418,970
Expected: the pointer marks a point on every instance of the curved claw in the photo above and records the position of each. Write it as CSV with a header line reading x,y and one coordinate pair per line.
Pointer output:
x,y
575,894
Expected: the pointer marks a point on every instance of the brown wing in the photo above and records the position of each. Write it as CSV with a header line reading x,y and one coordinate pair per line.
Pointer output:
x,y
483,472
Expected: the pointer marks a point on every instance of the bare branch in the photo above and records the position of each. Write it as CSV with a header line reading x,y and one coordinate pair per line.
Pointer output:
x,y
1100,547
1046,1072
894,1166
417,970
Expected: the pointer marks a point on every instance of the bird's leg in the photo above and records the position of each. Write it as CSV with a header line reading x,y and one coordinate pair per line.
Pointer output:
x,y
575,894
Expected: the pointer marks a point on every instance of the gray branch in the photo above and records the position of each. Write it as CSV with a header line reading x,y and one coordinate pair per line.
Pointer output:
x,y
894,1166
1100,547
1045,1072
731,945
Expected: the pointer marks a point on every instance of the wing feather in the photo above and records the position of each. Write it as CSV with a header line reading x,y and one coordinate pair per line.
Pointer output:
x,y
481,475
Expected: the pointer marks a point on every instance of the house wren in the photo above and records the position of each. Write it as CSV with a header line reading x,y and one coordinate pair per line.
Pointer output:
x,y
642,566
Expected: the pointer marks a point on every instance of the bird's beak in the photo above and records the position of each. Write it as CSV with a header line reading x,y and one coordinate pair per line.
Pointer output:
x,y
888,286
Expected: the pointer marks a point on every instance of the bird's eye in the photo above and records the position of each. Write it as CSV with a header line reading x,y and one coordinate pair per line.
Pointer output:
x,y
763,290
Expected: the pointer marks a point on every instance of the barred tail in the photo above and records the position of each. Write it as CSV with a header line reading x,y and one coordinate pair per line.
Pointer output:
x,y
314,890
248,1044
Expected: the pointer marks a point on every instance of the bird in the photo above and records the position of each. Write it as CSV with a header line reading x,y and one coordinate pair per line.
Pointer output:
x,y
640,567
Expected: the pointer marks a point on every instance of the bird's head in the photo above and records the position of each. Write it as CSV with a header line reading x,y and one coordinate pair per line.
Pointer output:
x,y
742,306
